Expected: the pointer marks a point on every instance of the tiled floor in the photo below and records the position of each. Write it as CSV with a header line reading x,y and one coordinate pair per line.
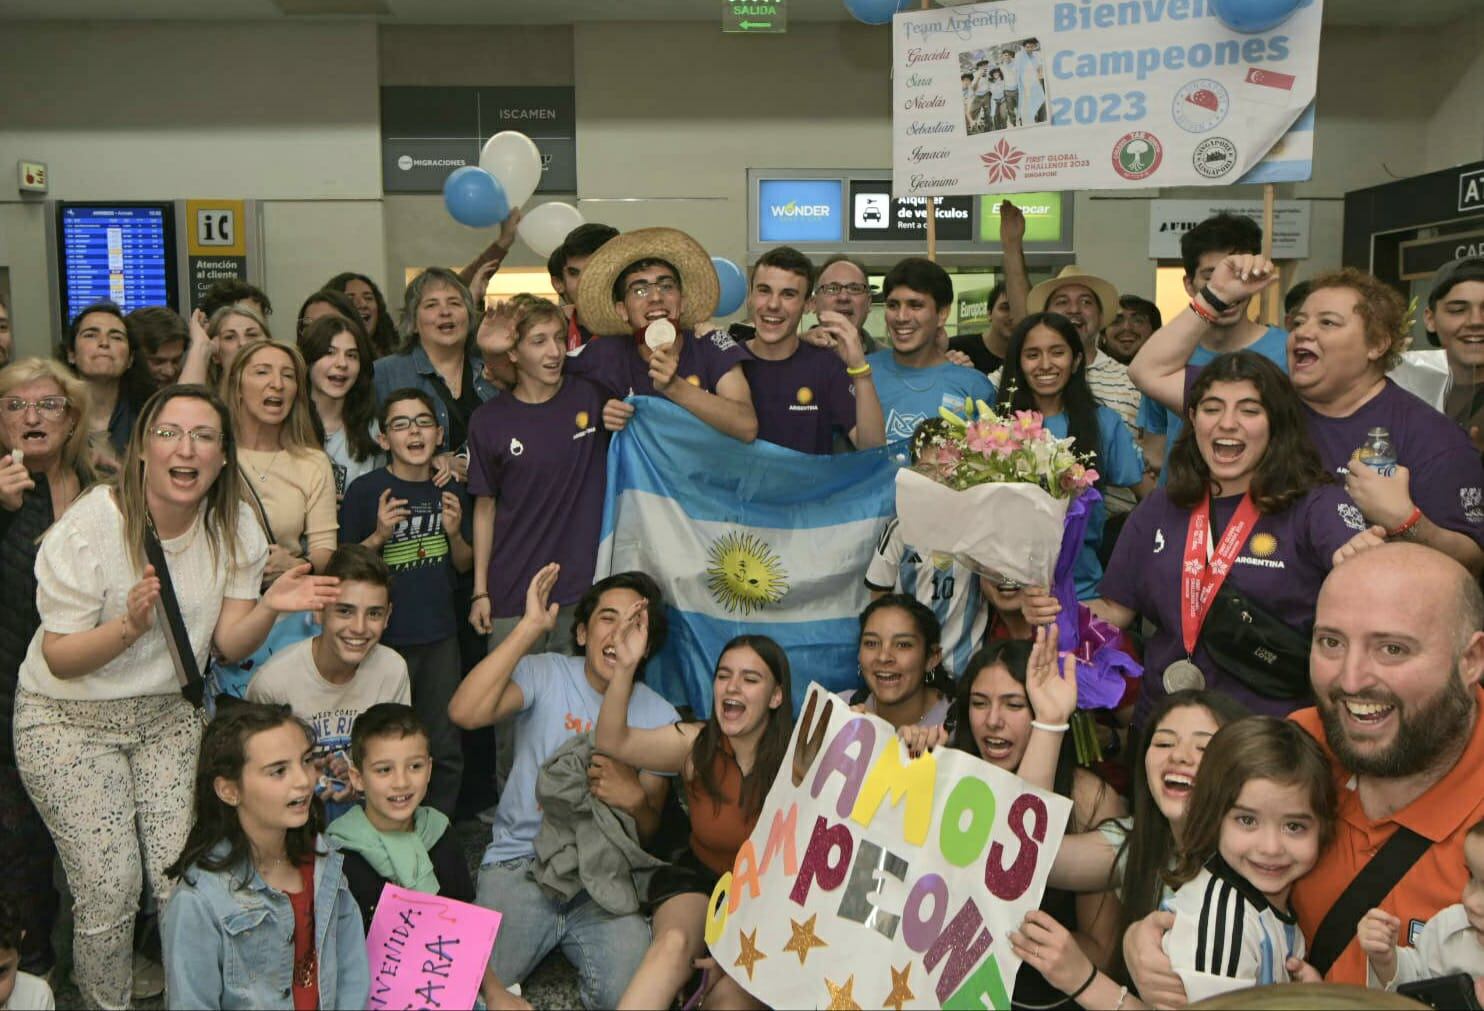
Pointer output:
x,y
552,985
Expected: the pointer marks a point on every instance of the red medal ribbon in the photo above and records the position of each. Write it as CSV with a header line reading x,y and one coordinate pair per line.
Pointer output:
x,y
1204,570
574,335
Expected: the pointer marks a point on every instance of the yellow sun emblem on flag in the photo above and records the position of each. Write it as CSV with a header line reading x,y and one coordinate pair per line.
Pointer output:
x,y
745,574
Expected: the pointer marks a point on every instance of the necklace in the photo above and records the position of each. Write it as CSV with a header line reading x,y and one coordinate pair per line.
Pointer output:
x,y
263,472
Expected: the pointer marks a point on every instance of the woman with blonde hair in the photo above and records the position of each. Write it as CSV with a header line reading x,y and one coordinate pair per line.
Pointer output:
x,y
286,477
43,468
215,342
106,735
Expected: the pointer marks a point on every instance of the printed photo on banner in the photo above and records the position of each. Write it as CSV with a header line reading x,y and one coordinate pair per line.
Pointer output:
x,y
1004,87
878,880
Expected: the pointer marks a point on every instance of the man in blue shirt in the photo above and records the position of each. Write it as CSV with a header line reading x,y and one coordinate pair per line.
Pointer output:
x,y
915,378
1201,249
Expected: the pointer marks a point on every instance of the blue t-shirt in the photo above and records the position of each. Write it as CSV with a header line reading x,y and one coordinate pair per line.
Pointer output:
x,y
559,702
908,396
1158,419
423,575
1121,465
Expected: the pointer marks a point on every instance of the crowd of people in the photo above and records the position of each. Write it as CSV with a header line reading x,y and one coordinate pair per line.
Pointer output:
x,y
266,591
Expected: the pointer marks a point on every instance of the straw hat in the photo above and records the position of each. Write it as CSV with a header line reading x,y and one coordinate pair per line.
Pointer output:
x,y
1036,301
698,280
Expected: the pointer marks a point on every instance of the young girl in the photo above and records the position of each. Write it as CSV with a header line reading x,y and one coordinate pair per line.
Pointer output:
x,y
1129,854
899,656
727,764
1045,371
1258,818
371,306
343,401
994,718
1452,941
262,917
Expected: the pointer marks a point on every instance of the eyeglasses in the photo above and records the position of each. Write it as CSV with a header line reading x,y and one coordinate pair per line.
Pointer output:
x,y
403,423
199,436
665,286
833,288
47,407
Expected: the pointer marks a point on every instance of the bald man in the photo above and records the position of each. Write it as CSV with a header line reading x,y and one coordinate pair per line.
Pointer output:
x,y
1396,662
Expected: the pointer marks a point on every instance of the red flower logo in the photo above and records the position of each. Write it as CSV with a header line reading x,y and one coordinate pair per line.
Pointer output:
x,y
1003,162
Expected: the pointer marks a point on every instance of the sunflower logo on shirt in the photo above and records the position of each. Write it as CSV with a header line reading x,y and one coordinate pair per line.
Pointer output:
x,y
1262,545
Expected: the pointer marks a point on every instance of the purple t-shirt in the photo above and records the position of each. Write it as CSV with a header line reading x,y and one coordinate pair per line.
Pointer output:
x,y
1281,567
802,400
615,365
545,465
1447,476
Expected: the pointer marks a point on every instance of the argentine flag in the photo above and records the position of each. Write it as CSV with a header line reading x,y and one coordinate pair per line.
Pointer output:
x,y
744,539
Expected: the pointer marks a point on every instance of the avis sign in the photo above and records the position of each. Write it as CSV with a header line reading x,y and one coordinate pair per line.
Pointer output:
x,y
875,880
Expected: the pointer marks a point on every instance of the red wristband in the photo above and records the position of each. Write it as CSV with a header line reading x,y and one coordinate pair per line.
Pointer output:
x,y
1203,312
1410,522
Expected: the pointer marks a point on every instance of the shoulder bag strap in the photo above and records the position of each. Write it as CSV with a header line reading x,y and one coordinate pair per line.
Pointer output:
x,y
177,640
1375,881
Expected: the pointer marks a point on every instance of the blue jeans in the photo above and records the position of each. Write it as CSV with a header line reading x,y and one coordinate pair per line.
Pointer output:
x,y
605,949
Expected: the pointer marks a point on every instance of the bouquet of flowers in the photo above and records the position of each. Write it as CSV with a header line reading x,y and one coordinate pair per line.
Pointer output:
x,y
1007,498
992,490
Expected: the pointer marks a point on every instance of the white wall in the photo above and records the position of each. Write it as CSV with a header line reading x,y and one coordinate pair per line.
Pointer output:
x,y
154,110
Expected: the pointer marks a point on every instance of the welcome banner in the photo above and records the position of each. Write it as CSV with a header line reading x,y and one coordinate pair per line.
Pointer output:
x,y
873,880
1025,95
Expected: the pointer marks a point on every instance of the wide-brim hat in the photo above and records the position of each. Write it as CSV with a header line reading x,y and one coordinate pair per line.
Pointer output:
x,y
1107,295
698,280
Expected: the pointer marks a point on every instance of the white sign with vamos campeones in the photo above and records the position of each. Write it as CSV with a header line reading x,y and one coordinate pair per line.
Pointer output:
x,y
1025,95
1170,219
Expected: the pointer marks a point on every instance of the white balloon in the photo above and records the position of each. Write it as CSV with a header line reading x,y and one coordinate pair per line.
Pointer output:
x,y
545,226
514,159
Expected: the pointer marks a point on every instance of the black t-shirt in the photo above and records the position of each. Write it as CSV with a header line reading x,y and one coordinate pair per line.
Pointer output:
x,y
448,867
460,410
972,344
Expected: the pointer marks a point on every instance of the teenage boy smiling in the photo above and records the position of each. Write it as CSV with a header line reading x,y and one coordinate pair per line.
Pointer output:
x,y
804,394
914,378
641,278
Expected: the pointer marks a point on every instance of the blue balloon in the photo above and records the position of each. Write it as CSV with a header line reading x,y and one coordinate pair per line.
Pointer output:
x,y
733,286
1255,15
875,12
475,198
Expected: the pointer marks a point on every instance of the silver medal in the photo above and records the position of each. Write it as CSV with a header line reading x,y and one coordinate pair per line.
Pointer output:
x,y
1182,675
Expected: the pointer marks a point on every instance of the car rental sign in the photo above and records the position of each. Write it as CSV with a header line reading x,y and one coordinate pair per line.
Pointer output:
x,y
1023,95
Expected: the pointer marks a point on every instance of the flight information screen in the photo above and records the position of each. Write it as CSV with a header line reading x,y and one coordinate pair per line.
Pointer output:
x,y
116,252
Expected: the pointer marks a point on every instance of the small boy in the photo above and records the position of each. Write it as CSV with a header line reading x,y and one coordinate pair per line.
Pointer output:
x,y
19,991
331,679
1450,942
394,840
423,533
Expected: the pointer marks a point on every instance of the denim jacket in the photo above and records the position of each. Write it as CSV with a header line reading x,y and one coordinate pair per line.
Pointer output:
x,y
230,945
414,368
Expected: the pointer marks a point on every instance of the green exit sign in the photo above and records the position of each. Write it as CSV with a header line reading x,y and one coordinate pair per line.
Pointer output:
x,y
754,16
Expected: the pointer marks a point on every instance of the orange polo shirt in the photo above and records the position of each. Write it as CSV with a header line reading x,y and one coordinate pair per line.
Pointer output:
x,y
1443,814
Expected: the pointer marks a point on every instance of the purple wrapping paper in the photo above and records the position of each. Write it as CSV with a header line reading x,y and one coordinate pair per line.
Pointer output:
x,y
1102,668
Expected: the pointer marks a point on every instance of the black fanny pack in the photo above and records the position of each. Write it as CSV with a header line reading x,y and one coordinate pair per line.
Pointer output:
x,y
1259,650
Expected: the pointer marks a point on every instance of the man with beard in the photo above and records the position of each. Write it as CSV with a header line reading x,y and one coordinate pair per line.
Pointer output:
x,y
1135,320
1395,667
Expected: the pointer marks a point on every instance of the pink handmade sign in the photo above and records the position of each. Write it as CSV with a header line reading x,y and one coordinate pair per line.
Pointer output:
x,y
427,951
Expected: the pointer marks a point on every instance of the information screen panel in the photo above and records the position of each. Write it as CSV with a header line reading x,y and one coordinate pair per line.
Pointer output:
x,y
116,252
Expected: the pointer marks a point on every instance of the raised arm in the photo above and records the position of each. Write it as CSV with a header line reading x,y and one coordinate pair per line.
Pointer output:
x,y
870,425
244,624
487,696
197,362
493,254
1159,367
660,749
729,410
1012,245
